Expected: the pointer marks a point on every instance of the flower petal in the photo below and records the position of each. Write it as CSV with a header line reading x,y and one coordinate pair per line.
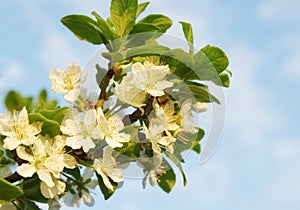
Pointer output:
x,y
26,170
46,177
74,142
11,143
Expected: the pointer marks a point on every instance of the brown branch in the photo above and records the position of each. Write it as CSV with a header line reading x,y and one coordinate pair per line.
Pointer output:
x,y
137,114
104,85
14,178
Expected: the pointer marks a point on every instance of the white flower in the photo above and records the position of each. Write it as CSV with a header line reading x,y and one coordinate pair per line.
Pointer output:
x,y
68,81
110,129
17,130
154,134
166,114
199,107
187,118
81,132
153,166
106,167
73,200
145,79
52,192
46,159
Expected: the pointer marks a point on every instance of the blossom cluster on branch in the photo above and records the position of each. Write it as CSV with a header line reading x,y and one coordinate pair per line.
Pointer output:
x,y
144,114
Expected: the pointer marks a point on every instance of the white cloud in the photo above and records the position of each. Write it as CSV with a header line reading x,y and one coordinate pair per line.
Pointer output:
x,y
249,104
284,186
11,73
282,11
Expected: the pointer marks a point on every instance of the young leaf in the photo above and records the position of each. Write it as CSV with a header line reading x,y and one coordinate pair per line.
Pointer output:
x,y
188,34
9,191
101,72
31,188
107,193
163,23
123,15
181,56
191,142
141,8
211,58
176,161
107,31
15,101
222,80
55,114
167,180
194,90
50,127
84,28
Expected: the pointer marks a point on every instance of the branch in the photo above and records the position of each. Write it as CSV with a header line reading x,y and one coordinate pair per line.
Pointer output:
x,y
14,178
104,85
137,114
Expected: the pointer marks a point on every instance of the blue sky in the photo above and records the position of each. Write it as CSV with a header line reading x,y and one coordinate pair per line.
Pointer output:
x,y
256,165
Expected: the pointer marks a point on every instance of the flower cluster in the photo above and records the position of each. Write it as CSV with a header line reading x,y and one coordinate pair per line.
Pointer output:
x,y
144,114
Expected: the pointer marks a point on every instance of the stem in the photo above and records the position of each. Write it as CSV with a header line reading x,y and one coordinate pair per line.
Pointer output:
x,y
137,114
14,178
104,85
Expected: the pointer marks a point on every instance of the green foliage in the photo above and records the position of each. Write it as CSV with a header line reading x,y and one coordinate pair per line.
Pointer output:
x,y
152,23
51,120
188,34
15,101
188,141
193,90
84,28
31,189
168,179
177,162
9,191
107,193
123,15
141,8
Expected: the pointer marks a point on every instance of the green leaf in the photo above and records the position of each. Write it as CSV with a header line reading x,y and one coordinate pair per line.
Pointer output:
x,y
176,161
31,188
188,34
107,193
141,8
28,205
181,56
107,31
130,149
193,90
55,114
151,49
84,28
4,158
222,80
50,127
144,27
9,191
210,61
217,57
74,172
188,141
161,22
123,15
167,180
15,101
101,72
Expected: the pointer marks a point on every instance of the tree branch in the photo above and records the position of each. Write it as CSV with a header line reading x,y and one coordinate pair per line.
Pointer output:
x,y
104,85
14,178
